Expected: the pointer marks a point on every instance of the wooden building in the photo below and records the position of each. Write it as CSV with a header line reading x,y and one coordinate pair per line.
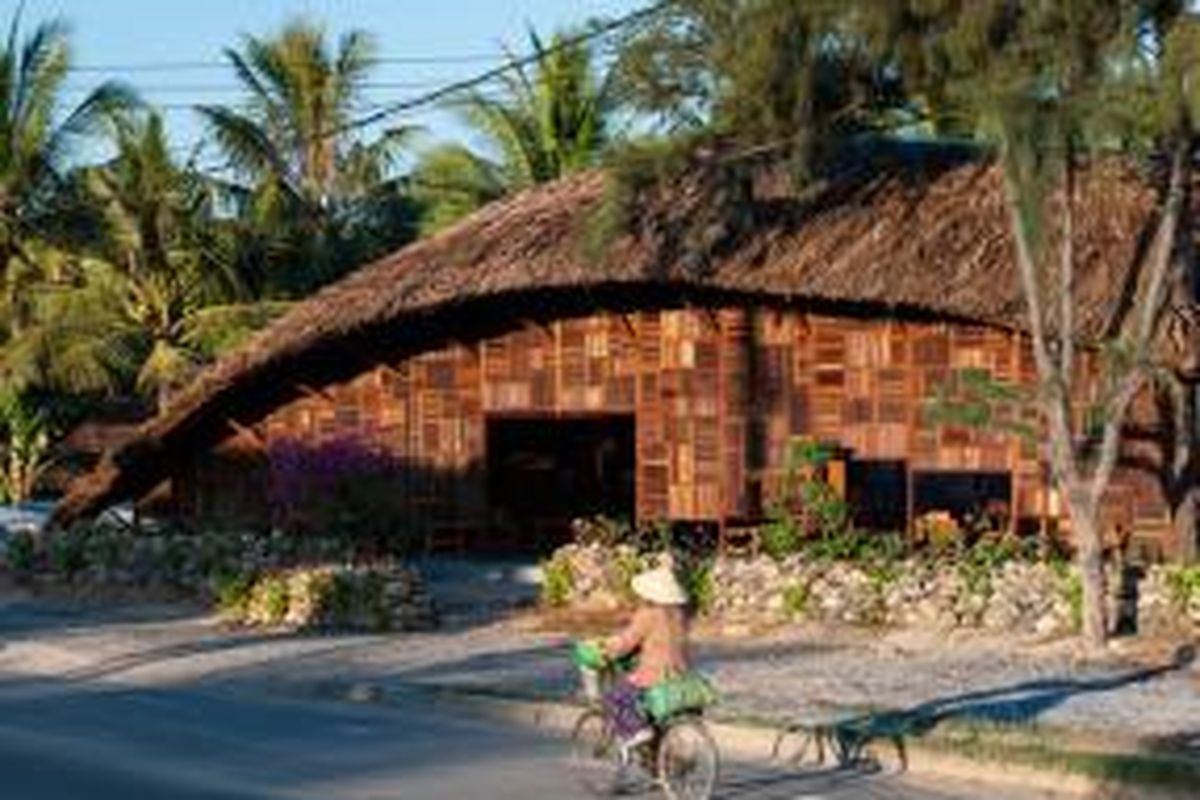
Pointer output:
x,y
495,380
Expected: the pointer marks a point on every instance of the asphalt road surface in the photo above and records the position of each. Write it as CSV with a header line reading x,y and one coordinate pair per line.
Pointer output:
x,y
63,741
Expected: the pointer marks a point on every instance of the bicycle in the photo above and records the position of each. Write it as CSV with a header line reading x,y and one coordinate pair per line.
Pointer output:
x,y
681,756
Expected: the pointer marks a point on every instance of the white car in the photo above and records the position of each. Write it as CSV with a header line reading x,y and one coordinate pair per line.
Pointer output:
x,y
30,517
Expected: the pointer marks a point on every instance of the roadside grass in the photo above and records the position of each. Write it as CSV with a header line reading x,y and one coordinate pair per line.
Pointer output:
x,y
1034,747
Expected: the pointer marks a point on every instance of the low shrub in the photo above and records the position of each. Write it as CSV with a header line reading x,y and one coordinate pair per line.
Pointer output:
x,y
67,555
232,591
1183,583
697,580
268,602
558,581
782,536
625,564
796,599
600,531
21,555
1072,592
939,532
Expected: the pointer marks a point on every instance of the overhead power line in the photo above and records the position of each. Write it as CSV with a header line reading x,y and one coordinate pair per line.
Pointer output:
x,y
234,87
455,87
191,66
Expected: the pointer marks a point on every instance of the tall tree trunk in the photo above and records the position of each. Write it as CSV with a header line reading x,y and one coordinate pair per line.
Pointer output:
x,y
1089,541
1185,526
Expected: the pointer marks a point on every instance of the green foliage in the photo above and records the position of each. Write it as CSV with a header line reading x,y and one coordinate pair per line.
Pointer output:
x,y
976,575
601,531
882,574
796,599
43,134
773,71
972,398
232,591
1184,586
558,582
271,594
341,600
27,438
544,122
656,536
374,601
627,562
157,295
697,580
810,516
782,535
1072,591
315,196
66,555
449,182
21,552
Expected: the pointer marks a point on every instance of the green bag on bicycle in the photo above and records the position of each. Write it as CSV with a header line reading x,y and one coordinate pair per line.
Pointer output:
x,y
688,692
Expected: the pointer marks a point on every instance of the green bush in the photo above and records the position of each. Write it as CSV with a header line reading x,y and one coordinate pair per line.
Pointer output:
x,y
625,564
656,536
374,601
1072,592
1183,583
558,581
232,591
104,548
781,536
698,580
67,554
601,531
22,552
795,600
978,565
274,593
341,601
881,574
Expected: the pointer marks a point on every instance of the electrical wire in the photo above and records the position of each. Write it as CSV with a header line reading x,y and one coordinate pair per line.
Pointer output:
x,y
455,87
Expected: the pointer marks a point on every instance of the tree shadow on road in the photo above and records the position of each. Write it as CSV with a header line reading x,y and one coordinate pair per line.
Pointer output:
x,y
848,741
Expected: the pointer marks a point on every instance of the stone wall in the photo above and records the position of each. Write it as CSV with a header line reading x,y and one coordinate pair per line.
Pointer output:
x,y
1034,598
253,579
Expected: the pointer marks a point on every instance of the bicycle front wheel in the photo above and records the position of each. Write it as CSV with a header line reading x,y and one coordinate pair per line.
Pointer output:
x,y
595,756
688,761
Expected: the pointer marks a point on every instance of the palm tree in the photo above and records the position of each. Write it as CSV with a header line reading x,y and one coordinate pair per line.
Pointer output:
x,y
547,122
37,142
298,171
153,296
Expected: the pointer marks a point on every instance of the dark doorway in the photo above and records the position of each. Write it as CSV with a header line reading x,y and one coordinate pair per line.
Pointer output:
x,y
877,492
544,472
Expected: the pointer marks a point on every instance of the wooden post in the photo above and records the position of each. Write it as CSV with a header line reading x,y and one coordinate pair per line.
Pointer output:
x,y
722,504
1015,448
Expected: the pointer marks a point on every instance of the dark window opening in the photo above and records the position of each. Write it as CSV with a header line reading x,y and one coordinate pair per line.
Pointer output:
x,y
877,492
972,498
544,472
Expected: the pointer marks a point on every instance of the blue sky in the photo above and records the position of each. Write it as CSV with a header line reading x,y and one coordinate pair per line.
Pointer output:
x,y
139,36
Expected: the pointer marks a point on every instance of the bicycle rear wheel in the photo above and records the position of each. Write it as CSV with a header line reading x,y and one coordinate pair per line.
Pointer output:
x,y
688,761
595,756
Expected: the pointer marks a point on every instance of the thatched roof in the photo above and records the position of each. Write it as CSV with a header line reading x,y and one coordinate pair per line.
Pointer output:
x,y
927,239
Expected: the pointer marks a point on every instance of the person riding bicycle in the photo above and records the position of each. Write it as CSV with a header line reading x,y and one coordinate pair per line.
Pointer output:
x,y
657,633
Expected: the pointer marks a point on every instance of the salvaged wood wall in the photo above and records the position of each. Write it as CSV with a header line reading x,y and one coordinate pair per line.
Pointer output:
x,y
717,395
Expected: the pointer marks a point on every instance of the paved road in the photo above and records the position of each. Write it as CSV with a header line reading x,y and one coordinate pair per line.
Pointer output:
x,y
62,741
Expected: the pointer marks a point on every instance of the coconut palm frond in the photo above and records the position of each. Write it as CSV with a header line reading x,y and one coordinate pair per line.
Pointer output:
x,y
165,367
548,120
215,330
246,145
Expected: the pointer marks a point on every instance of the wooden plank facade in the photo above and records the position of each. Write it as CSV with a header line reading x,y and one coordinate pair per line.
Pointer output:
x,y
715,396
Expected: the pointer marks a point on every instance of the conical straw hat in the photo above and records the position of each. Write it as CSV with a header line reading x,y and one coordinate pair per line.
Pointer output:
x,y
660,586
